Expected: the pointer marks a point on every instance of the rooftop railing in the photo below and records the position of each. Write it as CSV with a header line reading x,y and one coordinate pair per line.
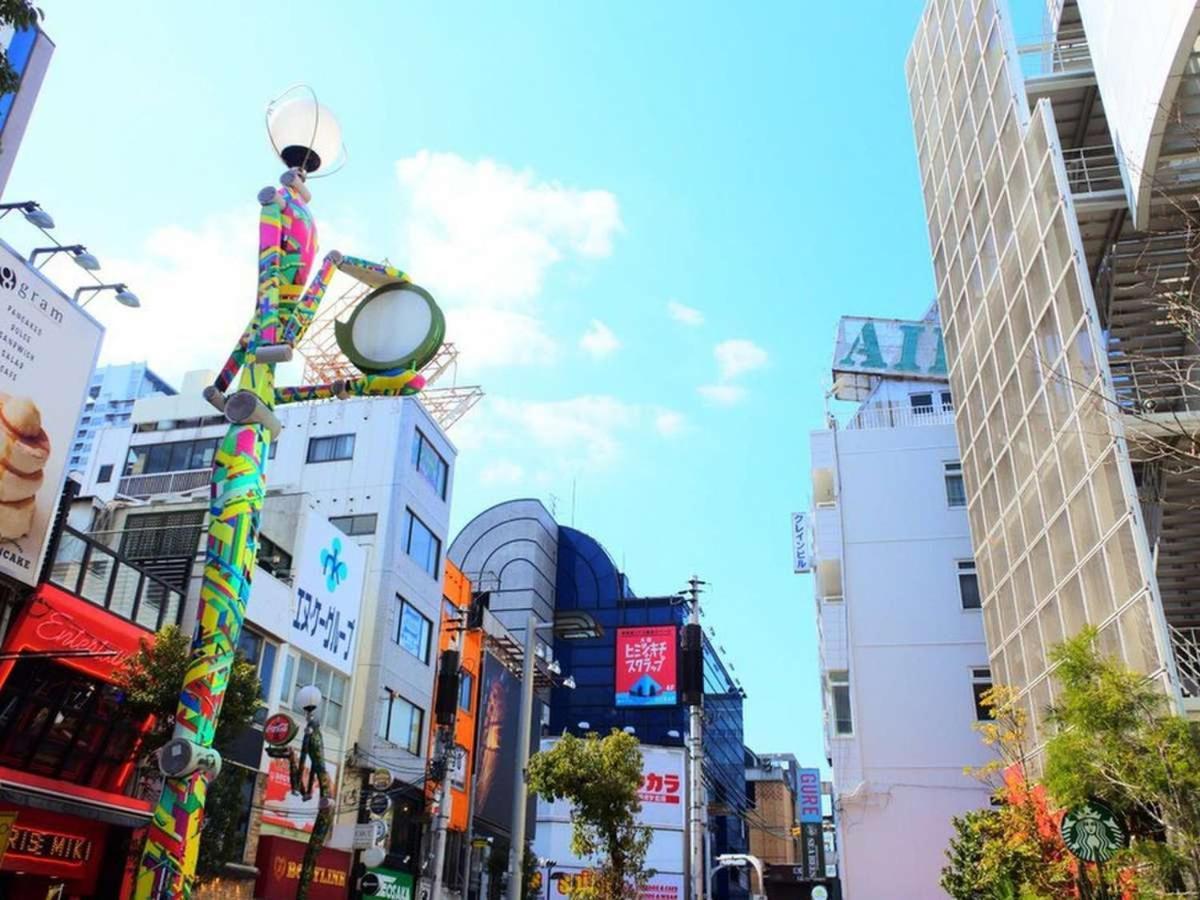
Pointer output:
x,y
90,570
899,416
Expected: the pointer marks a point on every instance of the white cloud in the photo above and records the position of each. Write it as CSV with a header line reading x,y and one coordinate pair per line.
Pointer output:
x,y
483,236
684,314
722,394
578,434
738,356
501,471
668,422
599,341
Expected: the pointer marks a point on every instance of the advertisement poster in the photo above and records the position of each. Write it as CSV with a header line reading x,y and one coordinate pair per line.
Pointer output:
x,y
48,349
329,572
501,702
284,809
646,666
659,887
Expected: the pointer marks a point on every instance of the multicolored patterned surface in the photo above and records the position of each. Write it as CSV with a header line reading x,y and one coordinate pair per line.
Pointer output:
x,y
287,245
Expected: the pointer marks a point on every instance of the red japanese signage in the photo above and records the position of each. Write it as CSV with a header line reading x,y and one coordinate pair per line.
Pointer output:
x,y
60,846
279,861
646,666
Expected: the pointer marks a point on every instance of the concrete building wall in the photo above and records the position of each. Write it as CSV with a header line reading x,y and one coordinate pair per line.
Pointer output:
x,y
774,815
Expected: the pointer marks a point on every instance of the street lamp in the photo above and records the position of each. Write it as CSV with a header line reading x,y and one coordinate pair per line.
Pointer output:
x,y
570,625
305,134
125,296
548,865
78,252
33,213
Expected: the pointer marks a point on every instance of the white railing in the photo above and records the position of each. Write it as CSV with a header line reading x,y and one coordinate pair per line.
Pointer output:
x,y
1051,54
1145,385
895,416
1092,169
164,483
1186,643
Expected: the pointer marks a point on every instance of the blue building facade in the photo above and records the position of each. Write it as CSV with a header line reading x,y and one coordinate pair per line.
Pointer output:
x,y
109,403
514,550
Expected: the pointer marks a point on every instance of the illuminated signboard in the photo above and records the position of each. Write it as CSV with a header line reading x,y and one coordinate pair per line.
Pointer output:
x,y
810,796
646,668
69,848
869,349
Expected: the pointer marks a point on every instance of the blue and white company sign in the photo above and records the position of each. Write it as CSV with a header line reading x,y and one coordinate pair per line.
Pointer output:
x,y
327,596
801,555
869,349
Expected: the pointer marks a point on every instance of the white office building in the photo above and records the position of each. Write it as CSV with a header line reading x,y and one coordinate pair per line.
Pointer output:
x,y
1050,172
903,658
374,474
109,403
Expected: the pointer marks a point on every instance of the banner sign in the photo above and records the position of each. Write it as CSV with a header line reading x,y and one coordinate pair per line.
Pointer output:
x,y
388,884
809,799
801,557
812,851
284,809
646,666
330,569
659,886
48,349
885,348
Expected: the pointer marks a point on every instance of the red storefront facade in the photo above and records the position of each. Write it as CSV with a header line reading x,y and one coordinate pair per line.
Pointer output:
x,y
279,861
67,753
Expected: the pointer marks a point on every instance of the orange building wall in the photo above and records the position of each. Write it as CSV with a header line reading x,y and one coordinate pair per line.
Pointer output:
x,y
456,588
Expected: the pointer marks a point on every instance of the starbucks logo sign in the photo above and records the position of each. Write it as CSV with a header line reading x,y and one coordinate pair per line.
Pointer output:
x,y
1091,832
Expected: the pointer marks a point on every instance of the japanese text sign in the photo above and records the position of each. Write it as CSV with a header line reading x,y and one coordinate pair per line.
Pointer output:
x,y
328,593
646,666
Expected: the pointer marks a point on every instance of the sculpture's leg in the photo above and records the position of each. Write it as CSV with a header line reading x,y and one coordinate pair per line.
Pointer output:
x,y
238,487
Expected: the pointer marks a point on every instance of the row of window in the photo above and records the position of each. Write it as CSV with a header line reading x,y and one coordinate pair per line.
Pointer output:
x,y
838,681
927,403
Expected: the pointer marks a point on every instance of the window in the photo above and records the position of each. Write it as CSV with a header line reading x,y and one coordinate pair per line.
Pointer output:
x,y
164,535
947,402
421,544
176,456
94,392
330,449
839,689
274,449
331,685
273,558
355,525
956,492
981,683
259,652
413,631
968,584
400,723
105,475
430,464
922,404
86,419
466,690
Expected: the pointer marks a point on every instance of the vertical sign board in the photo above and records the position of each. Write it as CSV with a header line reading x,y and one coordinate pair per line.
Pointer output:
x,y
812,838
801,557
329,569
869,349
646,666
28,52
48,349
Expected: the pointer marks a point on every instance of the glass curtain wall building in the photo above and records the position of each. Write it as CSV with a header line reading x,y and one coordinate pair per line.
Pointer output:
x,y
1026,197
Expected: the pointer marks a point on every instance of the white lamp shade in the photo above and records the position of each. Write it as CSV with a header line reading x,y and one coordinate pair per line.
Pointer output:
x,y
308,697
373,856
305,134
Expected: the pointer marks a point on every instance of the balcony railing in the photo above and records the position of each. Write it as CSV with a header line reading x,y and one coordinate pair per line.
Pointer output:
x,y
899,416
1156,384
88,569
1093,169
164,483
1052,54
1186,643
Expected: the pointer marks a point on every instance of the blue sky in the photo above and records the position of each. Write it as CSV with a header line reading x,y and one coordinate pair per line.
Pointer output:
x,y
643,221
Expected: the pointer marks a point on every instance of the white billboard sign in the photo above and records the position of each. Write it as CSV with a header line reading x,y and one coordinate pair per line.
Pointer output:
x,y
868,349
801,555
330,569
48,349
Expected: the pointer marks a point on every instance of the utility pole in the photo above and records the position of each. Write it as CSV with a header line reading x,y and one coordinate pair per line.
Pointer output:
x,y
696,804
449,757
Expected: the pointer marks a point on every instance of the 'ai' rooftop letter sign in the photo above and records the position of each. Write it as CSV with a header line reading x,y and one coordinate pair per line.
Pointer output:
x,y
868,349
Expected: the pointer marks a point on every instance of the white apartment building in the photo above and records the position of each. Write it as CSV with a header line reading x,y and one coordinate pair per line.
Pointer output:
x,y
373,472
903,658
1050,172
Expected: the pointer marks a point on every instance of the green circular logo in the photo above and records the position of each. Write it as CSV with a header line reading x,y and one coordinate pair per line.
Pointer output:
x,y
1091,832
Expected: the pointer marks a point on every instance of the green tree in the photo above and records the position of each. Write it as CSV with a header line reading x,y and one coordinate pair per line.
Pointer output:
x,y
151,679
19,14
600,778
1117,739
